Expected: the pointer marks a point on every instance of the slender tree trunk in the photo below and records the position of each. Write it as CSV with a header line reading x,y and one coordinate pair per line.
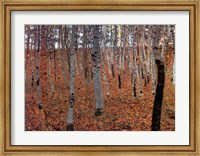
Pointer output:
x,y
144,56
163,52
140,64
34,55
38,71
67,49
135,75
33,66
167,46
123,46
96,57
117,53
54,54
38,35
28,41
59,44
104,75
108,49
43,40
173,55
173,72
76,63
103,58
130,52
63,58
153,72
86,54
80,55
112,54
27,52
148,57
73,49
49,75
120,46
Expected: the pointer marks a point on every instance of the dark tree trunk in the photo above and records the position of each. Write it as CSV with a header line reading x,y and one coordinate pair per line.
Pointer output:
x,y
158,97
86,54
119,79
131,77
134,88
54,59
38,49
86,65
43,39
28,38
113,73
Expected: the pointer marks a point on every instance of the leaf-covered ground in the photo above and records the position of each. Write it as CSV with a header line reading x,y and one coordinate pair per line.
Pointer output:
x,y
121,111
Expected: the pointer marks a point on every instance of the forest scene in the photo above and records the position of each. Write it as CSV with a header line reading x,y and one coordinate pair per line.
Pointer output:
x,y
99,77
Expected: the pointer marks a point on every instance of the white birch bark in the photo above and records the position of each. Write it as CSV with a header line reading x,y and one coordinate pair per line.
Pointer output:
x,y
67,48
148,55
174,71
153,71
108,48
76,64
112,52
163,53
73,45
104,75
117,54
76,52
156,48
80,52
32,70
130,52
38,68
123,45
97,76
115,49
33,54
140,65
59,45
63,60
151,59
120,33
144,54
174,63
135,74
103,57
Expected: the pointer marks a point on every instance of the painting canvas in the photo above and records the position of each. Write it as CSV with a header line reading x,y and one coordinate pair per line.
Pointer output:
x,y
99,77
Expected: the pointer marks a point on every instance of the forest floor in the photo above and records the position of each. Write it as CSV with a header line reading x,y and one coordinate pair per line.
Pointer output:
x,y
121,111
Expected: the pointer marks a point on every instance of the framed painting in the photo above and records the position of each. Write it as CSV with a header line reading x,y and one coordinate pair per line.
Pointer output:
x,y
99,77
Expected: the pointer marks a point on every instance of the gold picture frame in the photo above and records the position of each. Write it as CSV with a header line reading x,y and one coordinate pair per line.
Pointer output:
x,y
6,149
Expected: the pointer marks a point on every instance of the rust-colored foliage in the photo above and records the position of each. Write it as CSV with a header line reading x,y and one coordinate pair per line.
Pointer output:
x,y
121,112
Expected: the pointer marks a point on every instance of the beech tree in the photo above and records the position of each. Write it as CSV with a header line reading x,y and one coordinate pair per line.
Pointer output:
x,y
96,58
156,115
73,50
